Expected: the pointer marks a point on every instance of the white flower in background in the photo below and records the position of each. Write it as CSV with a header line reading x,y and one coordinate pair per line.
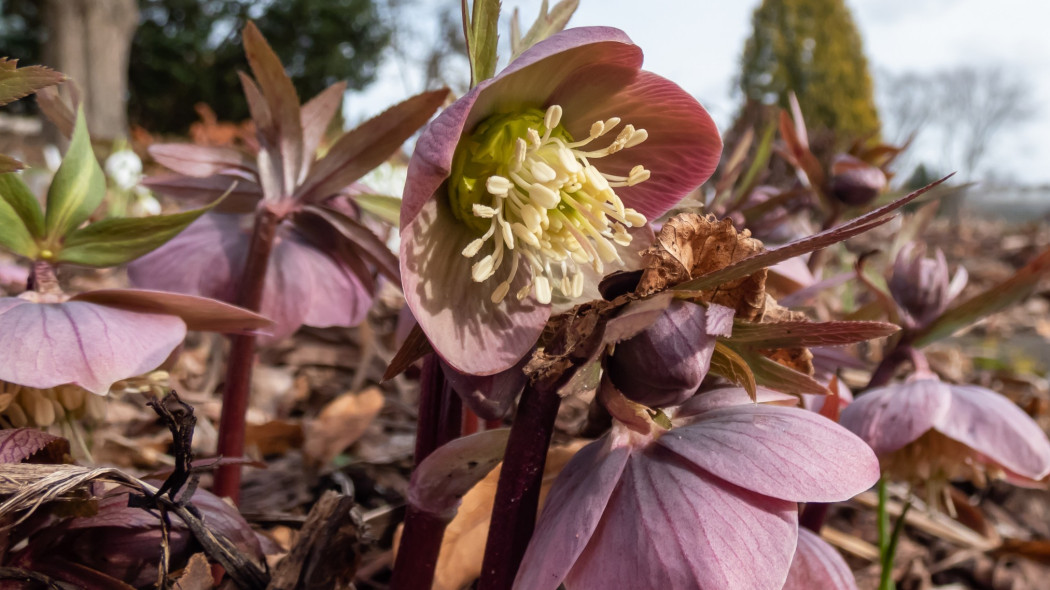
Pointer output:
x,y
125,169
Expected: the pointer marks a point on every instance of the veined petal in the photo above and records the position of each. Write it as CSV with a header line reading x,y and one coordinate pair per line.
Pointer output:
x,y
786,453
818,565
674,527
995,427
472,334
82,343
890,417
572,511
683,147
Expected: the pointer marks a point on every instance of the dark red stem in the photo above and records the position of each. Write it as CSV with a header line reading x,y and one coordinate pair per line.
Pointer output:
x,y
418,553
242,356
440,420
518,490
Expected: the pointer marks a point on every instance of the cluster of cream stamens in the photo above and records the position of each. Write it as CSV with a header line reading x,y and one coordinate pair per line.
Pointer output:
x,y
556,211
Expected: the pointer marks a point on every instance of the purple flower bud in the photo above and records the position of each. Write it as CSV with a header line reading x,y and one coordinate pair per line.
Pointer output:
x,y
921,285
854,181
664,365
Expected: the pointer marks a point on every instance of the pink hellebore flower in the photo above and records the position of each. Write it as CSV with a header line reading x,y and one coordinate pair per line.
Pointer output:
x,y
96,338
818,565
533,182
925,429
711,504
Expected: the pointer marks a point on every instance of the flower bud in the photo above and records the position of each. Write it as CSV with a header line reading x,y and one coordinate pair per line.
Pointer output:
x,y
854,181
664,365
921,286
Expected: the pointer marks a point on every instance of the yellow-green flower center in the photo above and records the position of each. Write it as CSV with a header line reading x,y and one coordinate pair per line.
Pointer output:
x,y
535,198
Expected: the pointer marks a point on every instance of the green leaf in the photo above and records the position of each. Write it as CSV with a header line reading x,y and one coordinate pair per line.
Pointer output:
x,y
999,297
120,240
16,83
773,375
547,23
482,38
9,164
21,200
726,362
13,233
384,207
78,187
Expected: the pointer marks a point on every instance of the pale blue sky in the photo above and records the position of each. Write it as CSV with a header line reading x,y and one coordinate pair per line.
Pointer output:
x,y
698,43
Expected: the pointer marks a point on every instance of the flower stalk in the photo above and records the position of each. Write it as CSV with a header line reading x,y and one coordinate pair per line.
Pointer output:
x,y
242,355
518,489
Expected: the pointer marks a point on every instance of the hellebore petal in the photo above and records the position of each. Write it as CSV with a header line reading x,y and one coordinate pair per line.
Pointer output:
x,y
82,343
572,511
472,334
786,453
489,396
994,426
596,72
888,418
818,565
303,284
687,531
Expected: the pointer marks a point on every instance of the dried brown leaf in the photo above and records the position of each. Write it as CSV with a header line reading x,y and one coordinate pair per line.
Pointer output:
x,y
196,575
340,424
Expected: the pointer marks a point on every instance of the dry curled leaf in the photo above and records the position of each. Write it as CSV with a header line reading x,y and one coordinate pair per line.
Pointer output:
x,y
196,575
340,424
691,245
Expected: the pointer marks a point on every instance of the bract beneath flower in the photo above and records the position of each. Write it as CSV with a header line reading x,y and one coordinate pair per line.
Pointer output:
x,y
707,505
535,179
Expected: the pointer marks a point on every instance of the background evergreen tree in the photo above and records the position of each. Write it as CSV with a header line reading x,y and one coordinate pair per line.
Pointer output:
x,y
811,48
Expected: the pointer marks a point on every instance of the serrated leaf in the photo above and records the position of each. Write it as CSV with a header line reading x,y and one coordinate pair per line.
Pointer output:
x,y
482,38
995,299
9,164
19,444
773,375
78,187
14,235
547,23
384,207
18,82
727,363
23,202
120,240
803,333
768,258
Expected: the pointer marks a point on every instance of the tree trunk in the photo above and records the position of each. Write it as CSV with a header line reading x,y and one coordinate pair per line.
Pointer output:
x,y
90,41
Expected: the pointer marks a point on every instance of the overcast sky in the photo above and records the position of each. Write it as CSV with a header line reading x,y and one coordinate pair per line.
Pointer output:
x,y
698,43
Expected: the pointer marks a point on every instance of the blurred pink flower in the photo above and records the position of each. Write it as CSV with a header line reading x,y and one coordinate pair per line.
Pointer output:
x,y
711,504
506,212
925,429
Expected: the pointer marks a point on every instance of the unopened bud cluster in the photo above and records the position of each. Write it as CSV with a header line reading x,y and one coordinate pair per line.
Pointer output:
x,y
22,406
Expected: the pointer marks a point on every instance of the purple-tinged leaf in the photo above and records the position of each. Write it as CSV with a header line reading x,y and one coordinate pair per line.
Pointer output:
x,y
82,343
367,243
823,239
573,509
57,111
201,161
803,333
199,313
415,347
446,475
316,115
818,565
9,164
268,160
16,83
243,196
20,444
786,453
368,145
776,376
671,527
283,102
995,299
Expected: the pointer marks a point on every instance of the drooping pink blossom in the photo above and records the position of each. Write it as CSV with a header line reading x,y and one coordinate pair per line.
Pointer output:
x,y
711,504
505,212
925,429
